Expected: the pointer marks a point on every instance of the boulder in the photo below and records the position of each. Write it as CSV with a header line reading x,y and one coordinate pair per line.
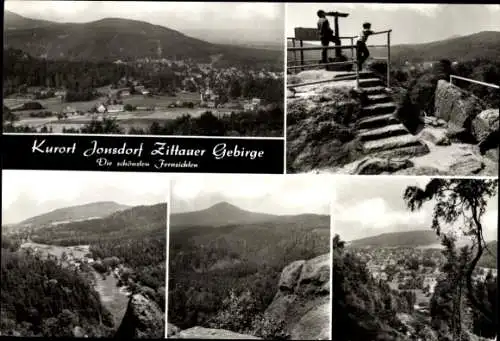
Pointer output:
x,y
143,319
172,330
303,301
435,135
78,332
454,105
377,165
485,129
208,333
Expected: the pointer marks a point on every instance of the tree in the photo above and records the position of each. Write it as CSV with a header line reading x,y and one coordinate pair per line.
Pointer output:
x,y
458,200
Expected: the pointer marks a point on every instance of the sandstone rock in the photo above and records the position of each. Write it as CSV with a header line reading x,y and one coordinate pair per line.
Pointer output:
x,y
207,333
290,275
143,319
78,332
435,135
172,330
377,165
455,105
302,305
315,325
485,123
492,154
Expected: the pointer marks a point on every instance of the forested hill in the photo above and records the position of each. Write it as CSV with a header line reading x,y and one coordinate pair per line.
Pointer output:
x,y
223,214
410,239
72,213
139,221
111,39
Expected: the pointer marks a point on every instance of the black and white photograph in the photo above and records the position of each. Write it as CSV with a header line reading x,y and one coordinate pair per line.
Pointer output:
x,y
249,258
136,67
83,254
375,88
416,260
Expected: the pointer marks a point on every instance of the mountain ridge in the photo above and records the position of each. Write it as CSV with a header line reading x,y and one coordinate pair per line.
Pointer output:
x,y
110,39
224,214
76,212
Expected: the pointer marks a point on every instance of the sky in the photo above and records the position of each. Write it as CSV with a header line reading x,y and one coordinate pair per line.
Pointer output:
x,y
273,194
248,18
27,193
411,23
366,206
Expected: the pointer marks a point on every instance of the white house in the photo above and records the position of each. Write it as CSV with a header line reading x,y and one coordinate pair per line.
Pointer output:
x,y
115,108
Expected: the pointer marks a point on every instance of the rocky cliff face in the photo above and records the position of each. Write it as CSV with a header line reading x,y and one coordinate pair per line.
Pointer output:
x,y
143,320
303,299
455,106
302,303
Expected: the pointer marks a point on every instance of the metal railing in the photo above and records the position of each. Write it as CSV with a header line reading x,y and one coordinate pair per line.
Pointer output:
x,y
452,77
353,59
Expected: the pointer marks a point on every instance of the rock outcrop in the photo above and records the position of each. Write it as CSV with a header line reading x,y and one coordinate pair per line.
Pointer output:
x,y
208,333
143,319
303,299
456,106
485,129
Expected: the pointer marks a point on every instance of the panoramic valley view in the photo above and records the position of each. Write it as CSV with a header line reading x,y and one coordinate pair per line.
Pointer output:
x,y
415,118
249,259
75,264
416,262
109,68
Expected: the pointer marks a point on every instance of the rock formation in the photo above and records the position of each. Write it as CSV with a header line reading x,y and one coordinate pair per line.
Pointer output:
x,y
208,333
143,319
303,299
454,105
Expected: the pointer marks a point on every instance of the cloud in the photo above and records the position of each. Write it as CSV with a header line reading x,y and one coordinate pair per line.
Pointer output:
x,y
26,193
262,193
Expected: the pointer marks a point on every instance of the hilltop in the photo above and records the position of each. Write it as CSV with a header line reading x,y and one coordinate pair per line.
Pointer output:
x,y
111,39
409,239
72,213
131,222
224,214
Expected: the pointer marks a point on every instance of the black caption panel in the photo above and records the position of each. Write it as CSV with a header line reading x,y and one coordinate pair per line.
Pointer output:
x,y
141,153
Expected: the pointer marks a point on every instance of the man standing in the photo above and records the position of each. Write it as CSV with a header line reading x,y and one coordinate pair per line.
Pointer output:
x,y
362,52
326,35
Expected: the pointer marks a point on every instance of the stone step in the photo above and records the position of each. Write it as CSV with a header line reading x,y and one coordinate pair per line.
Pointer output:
x,y
377,121
370,82
404,152
378,98
371,90
393,142
383,132
378,109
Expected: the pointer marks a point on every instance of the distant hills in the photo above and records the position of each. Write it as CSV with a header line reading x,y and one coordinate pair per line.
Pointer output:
x,y
73,213
409,239
137,221
485,45
111,39
224,213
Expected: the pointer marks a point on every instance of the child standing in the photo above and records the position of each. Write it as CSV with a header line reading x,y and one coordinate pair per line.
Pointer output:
x,y
362,52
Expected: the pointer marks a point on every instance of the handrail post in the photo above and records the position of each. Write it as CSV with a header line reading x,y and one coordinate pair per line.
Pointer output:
x,y
389,59
302,53
352,48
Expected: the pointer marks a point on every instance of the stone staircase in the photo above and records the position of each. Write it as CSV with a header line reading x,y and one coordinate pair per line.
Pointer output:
x,y
380,131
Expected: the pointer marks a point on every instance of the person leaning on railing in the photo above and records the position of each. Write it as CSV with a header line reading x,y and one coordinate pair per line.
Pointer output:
x,y
326,34
362,52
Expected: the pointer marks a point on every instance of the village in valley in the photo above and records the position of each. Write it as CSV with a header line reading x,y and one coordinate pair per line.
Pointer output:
x,y
416,269
136,103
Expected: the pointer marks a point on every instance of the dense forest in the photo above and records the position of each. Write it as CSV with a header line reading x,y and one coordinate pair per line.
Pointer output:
x,y
41,298
129,244
226,277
